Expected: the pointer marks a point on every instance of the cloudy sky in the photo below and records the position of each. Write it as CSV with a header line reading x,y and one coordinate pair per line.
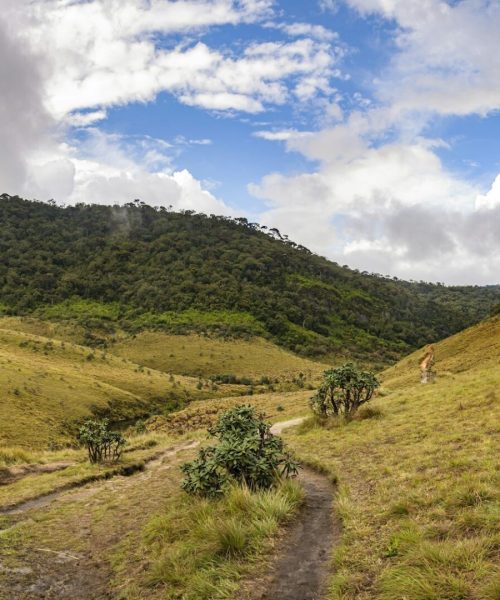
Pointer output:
x,y
368,130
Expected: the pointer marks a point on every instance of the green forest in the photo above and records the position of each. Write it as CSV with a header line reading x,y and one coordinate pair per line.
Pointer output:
x,y
137,266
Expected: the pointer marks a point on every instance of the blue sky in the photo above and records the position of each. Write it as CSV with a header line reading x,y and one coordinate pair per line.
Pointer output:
x,y
367,130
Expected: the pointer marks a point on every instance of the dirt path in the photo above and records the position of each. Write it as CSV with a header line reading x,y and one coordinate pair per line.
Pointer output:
x,y
46,499
68,534
278,428
302,564
60,540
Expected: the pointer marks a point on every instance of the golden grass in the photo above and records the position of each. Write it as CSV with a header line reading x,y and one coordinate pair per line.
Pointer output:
x,y
192,355
199,549
149,538
140,449
46,385
197,355
419,487
475,348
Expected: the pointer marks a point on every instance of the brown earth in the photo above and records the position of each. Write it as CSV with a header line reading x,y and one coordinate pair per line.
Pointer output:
x,y
302,563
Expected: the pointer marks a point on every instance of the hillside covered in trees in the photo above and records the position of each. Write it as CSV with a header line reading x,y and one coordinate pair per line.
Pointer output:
x,y
139,267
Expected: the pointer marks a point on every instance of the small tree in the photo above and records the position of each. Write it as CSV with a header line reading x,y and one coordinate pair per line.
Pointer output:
x,y
247,453
101,443
343,391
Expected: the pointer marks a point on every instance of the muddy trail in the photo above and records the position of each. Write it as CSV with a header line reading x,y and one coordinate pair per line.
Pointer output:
x,y
69,532
302,564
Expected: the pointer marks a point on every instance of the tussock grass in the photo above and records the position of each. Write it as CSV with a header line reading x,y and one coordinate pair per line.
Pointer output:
x,y
199,549
419,480
12,456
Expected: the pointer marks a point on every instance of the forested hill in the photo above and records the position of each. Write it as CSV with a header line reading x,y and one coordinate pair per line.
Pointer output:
x,y
140,267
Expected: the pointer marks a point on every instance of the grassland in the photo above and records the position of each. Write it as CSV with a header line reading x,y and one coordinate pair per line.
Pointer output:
x,y
47,385
417,473
49,380
139,536
194,355
202,414
419,488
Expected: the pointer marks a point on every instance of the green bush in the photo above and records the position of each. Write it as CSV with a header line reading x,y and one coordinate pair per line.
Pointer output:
x,y
247,453
101,443
343,391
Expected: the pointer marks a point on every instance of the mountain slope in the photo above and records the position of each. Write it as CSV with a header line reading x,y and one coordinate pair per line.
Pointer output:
x,y
143,267
476,348
419,480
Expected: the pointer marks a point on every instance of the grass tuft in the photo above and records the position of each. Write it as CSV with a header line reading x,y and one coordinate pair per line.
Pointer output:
x,y
199,549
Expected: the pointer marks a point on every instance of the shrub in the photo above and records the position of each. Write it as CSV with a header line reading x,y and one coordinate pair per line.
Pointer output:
x,y
343,391
101,443
247,453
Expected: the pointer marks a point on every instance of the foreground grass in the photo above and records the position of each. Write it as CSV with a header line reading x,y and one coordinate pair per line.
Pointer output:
x,y
418,491
200,549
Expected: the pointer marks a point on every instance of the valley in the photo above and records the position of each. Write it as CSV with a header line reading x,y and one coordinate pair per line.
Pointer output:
x,y
161,331
416,493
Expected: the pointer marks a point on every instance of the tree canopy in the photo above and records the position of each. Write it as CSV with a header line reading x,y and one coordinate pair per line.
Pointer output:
x,y
146,266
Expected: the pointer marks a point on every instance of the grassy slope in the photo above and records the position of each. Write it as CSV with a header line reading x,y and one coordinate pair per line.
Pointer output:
x,y
191,355
419,484
47,384
48,380
197,355
202,414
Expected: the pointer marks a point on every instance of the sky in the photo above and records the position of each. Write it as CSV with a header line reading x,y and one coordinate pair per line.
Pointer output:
x,y
367,130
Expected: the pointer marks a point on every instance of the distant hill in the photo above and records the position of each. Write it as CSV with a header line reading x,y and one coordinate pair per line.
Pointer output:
x,y
138,268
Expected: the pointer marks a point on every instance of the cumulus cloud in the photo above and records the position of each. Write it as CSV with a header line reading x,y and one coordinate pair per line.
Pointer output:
x,y
447,60
108,52
71,61
112,169
390,208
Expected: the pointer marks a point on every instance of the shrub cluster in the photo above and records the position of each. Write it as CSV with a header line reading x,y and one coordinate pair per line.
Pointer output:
x,y
247,453
343,391
101,443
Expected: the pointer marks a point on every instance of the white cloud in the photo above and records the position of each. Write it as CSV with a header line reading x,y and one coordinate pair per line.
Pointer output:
x,y
107,52
329,5
305,30
72,60
282,135
492,198
24,122
381,199
83,119
447,59
391,208
112,169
